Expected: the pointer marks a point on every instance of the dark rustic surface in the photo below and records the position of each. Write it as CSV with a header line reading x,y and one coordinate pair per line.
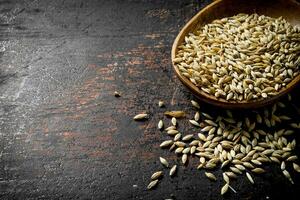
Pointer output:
x,y
63,135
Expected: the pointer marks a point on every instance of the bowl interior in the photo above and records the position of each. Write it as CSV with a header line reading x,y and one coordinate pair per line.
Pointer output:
x,y
288,9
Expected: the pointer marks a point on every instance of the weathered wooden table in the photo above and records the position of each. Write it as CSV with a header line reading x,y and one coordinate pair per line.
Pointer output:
x,y
63,134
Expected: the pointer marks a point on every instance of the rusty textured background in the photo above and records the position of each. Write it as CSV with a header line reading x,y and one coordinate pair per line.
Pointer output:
x,y
63,135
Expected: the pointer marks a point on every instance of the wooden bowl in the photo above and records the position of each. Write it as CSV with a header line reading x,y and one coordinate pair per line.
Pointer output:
x,y
288,9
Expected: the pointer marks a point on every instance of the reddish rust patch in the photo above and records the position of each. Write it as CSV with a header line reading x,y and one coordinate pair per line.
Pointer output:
x,y
134,61
69,134
109,78
45,127
88,92
103,138
146,155
91,66
99,154
104,70
76,116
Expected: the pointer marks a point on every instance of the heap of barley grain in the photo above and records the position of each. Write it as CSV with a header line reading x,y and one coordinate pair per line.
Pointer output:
x,y
241,58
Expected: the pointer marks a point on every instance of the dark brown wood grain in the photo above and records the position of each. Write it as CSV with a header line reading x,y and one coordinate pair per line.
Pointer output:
x,y
63,133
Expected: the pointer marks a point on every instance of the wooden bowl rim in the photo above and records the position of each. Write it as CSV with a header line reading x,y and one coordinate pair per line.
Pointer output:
x,y
209,98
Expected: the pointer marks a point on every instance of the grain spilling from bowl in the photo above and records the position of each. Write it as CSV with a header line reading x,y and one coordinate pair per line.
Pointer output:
x,y
156,175
117,94
141,116
233,142
161,104
241,58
